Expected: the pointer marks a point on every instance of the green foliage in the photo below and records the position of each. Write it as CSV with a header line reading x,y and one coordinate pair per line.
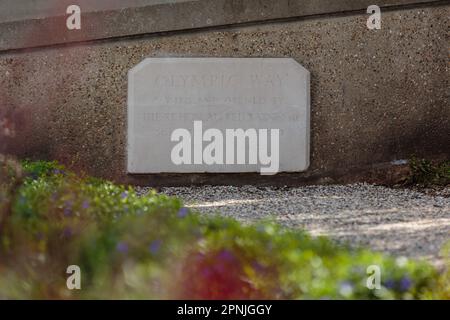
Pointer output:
x,y
131,246
41,168
426,173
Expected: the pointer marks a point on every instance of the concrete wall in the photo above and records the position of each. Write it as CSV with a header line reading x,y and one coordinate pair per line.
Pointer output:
x,y
376,96
13,10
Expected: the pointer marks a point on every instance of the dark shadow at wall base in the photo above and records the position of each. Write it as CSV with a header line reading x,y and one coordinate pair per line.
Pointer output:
x,y
383,173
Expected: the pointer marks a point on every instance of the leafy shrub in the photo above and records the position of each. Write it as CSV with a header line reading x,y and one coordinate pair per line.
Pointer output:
x,y
425,172
131,246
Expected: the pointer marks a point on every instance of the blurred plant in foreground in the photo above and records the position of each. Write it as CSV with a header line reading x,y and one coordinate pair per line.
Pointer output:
x,y
150,247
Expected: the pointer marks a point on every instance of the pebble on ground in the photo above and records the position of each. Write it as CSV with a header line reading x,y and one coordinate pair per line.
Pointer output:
x,y
401,222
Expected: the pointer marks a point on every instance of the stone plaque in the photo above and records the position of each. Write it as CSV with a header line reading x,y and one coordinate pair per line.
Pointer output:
x,y
192,115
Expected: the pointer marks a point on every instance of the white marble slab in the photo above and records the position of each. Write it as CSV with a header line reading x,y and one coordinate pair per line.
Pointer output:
x,y
165,94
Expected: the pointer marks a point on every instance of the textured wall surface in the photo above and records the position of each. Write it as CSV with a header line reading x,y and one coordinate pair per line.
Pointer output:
x,y
376,96
31,23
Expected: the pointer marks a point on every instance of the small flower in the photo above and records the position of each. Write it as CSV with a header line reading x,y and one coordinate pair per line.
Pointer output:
x,y
258,267
405,284
122,247
67,212
183,212
68,208
67,232
346,289
58,171
85,204
389,284
226,255
124,194
155,246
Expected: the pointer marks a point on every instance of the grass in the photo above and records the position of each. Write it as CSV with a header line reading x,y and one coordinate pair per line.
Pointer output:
x,y
151,247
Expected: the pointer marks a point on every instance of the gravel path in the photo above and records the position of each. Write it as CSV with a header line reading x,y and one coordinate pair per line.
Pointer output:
x,y
399,221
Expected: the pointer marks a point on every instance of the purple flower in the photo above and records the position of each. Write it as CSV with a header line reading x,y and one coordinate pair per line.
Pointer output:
x,y
68,208
226,255
122,247
405,284
389,284
67,212
124,194
85,204
183,212
67,232
58,171
155,246
258,267
346,288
